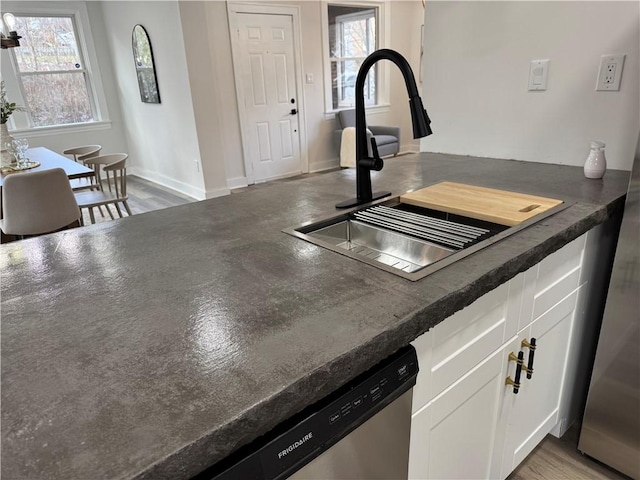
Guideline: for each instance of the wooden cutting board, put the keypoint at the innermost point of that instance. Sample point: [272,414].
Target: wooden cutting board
[497,206]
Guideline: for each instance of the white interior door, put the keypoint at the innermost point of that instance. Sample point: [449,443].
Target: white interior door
[267,80]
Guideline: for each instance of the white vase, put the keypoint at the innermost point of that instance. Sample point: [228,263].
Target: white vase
[596,163]
[5,143]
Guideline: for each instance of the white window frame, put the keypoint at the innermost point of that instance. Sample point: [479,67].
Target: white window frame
[383,33]
[21,121]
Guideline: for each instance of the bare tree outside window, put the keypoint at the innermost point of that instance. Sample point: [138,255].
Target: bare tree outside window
[352,37]
[52,72]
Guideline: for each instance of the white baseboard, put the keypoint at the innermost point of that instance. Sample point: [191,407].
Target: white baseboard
[409,149]
[237,182]
[171,183]
[324,165]
[218,192]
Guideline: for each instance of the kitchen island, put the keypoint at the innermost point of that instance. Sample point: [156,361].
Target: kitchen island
[156,345]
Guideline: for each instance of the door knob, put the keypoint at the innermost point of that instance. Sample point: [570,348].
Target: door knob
[293,111]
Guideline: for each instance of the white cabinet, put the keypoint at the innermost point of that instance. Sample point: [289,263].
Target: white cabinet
[452,437]
[533,412]
[467,422]
[454,347]
[463,363]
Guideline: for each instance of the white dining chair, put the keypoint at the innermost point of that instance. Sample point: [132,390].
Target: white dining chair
[35,203]
[114,190]
[80,155]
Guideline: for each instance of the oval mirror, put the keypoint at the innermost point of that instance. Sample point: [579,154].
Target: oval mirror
[145,69]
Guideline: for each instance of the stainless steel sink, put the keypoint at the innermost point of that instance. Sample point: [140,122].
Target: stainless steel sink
[409,241]
[384,246]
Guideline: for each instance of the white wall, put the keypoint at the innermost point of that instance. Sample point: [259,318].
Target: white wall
[205,23]
[322,154]
[407,19]
[206,95]
[319,126]
[191,141]
[477,57]
[162,138]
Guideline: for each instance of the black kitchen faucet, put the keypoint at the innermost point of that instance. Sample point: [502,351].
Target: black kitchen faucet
[419,118]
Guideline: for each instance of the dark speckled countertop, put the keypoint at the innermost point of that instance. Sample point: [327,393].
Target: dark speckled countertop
[154,346]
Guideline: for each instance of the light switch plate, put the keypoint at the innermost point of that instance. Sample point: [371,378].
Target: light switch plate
[610,72]
[538,75]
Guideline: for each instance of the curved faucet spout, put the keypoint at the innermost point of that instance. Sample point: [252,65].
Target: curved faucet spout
[419,118]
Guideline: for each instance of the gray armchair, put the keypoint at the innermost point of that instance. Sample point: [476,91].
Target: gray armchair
[387,138]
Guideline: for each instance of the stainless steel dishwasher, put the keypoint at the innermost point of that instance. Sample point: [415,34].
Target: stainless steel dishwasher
[359,432]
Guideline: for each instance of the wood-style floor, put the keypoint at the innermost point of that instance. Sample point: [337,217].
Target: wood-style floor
[553,459]
[559,459]
[144,196]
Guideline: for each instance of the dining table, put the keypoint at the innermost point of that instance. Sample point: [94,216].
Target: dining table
[49,159]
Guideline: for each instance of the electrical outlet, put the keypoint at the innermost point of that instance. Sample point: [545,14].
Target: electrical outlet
[610,72]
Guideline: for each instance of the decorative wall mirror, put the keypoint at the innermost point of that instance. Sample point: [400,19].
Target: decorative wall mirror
[145,68]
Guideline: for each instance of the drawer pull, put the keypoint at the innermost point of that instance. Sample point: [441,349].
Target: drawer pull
[519,364]
[532,350]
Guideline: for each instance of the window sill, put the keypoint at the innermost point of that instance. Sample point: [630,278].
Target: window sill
[61,129]
[382,108]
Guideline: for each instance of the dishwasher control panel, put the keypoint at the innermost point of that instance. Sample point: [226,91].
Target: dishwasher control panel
[296,442]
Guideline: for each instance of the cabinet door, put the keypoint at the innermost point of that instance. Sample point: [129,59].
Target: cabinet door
[548,282]
[533,412]
[453,436]
[454,347]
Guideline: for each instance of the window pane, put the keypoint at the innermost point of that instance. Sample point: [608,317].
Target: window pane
[358,36]
[344,89]
[57,99]
[347,80]
[47,44]
[352,37]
